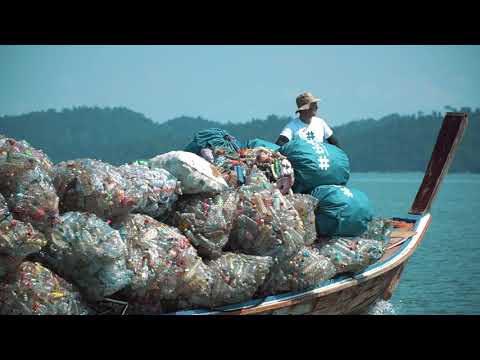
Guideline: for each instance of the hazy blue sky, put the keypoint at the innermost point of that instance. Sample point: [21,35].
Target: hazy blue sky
[238,83]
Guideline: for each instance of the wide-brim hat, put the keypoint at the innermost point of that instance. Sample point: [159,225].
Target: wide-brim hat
[305,100]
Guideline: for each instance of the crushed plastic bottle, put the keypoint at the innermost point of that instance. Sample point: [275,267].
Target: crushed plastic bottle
[238,277]
[87,251]
[304,270]
[352,254]
[206,220]
[92,186]
[154,191]
[35,290]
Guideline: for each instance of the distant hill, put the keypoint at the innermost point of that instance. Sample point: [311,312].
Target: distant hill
[119,135]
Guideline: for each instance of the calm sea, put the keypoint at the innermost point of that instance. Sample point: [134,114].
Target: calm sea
[443,275]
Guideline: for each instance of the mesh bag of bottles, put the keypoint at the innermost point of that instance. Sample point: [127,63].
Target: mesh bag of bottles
[17,158]
[236,168]
[237,277]
[378,229]
[87,251]
[352,254]
[196,174]
[17,240]
[305,206]
[153,190]
[35,290]
[206,220]
[92,186]
[267,224]
[300,272]
[165,266]
[35,200]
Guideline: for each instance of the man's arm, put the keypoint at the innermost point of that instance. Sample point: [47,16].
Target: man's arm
[332,140]
[282,140]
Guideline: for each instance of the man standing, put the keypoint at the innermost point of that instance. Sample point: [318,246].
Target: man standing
[307,126]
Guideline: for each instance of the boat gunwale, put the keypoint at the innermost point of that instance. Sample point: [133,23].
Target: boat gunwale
[327,287]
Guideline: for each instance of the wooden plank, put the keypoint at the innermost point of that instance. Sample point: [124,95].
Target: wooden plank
[387,294]
[448,138]
[402,234]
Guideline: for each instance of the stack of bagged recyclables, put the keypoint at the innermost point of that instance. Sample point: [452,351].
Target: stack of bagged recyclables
[204,228]
[323,170]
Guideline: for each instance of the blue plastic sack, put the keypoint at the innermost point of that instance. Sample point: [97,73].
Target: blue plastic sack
[316,164]
[250,144]
[213,138]
[341,211]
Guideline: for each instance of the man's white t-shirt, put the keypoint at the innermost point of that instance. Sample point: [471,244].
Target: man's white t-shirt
[316,131]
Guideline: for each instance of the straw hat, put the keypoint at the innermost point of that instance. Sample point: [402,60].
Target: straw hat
[304,100]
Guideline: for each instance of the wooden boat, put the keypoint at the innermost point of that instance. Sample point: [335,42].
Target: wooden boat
[356,293]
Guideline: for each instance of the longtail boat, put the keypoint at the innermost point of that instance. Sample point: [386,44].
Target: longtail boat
[354,294]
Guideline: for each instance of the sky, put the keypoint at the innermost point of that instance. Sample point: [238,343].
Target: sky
[239,83]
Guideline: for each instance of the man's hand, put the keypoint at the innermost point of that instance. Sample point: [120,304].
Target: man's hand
[333,141]
[282,140]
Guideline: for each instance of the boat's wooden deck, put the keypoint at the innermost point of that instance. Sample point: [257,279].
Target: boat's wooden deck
[402,232]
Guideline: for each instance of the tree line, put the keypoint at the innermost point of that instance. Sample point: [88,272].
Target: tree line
[119,135]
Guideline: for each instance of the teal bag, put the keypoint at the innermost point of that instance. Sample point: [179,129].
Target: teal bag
[316,164]
[341,211]
[213,138]
[261,143]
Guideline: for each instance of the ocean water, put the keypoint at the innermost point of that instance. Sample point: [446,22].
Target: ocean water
[443,275]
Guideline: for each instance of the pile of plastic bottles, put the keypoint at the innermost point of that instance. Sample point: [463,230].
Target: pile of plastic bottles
[236,167]
[178,231]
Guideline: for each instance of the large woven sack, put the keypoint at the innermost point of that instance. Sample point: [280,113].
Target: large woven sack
[341,211]
[213,138]
[316,164]
[196,174]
